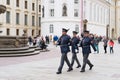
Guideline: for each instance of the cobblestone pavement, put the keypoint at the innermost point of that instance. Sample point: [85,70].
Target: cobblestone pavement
[44,67]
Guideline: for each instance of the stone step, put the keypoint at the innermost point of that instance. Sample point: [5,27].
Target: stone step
[20,55]
[35,47]
[17,52]
[14,49]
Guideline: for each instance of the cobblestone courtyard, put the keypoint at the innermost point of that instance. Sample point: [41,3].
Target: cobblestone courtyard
[44,66]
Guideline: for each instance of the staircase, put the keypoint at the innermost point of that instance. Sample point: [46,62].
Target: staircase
[15,52]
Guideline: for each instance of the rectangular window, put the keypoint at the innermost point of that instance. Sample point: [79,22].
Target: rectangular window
[8,32]
[17,3]
[51,28]
[51,1]
[17,32]
[33,32]
[7,17]
[26,19]
[76,1]
[33,6]
[25,4]
[76,12]
[17,18]
[39,21]
[39,8]
[8,2]
[77,28]
[33,20]
[51,12]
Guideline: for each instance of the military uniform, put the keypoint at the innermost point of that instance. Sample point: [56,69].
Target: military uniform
[64,42]
[85,44]
[74,46]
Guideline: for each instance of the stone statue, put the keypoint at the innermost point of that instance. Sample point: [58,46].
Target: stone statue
[64,11]
[25,33]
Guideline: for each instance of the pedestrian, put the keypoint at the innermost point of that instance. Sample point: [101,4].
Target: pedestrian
[119,39]
[96,43]
[47,39]
[64,42]
[75,49]
[91,36]
[86,50]
[105,40]
[42,44]
[34,41]
[111,44]
[30,40]
[55,38]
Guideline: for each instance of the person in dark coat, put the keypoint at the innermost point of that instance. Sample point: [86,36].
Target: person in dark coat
[75,49]
[85,44]
[30,40]
[105,41]
[64,42]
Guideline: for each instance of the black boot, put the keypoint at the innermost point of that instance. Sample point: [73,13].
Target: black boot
[78,66]
[70,69]
[82,70]
[91,67]
[59,72]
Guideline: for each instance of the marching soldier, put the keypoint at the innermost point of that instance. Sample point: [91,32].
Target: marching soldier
[85,44]
[64,42]
[75,49]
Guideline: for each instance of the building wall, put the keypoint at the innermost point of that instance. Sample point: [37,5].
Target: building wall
[58,20]
[118,17]
[22,11]
[97,12]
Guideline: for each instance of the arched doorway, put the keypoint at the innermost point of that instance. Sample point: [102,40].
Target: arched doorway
[85,24]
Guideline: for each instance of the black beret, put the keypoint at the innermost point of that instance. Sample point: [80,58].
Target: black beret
[65,30]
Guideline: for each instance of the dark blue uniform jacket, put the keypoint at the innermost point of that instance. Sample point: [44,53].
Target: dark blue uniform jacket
[74,44]
[64,42]
[85,44]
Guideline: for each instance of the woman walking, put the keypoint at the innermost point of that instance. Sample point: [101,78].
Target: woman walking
[111,44]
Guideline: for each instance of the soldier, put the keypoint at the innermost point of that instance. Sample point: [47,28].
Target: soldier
[74,45]
[85,44]
[64,42]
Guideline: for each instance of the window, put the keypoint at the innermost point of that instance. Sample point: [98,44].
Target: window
[17,32]
[39,21]
[8,32]
[33,20]
[51,1]
[33,6]
[17,18]
[33,32]
[7,17]
[39,8]
[77,28]
[25,4]
[17,3]
[76,12]
[8,2]
[64,11]
[26,19]
[39,32]
[76,1]
[51,28]
[51,12]
[43,11]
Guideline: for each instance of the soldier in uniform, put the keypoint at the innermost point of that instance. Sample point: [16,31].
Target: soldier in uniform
[64,42]
[85,44]
[74,45]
